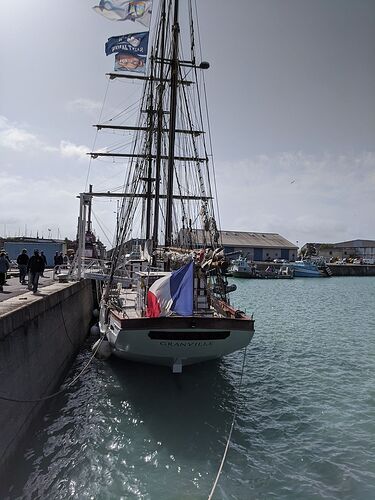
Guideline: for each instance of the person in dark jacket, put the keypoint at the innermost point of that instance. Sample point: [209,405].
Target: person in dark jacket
[4,266]
[56,261]
[44,260]
[9,262]
[35,268]
[22,261]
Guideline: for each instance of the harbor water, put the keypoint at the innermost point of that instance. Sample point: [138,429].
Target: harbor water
[305,421]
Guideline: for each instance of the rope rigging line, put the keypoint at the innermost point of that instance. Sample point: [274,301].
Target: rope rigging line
[96,135]
[230,432]
[54,394]
[208,121]
[101,227]
[132,108]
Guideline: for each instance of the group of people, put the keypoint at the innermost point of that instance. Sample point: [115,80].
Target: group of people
[60,260]
[33,267]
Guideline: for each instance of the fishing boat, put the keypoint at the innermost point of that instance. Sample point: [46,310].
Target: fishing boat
[240,268]
[310,269]
[170,305]
[283,272]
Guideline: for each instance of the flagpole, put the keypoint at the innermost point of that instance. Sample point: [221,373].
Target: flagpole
[161,87]
[172,125]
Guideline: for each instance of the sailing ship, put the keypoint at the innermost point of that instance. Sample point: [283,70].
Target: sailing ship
[168,303]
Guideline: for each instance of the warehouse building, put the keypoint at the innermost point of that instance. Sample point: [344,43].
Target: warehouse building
[253,246]
[364,249]
[14,246]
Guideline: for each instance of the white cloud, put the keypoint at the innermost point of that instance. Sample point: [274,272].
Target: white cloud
[38,204]
[87,105]
[19,139]
[305,198]
[16,139]
[70,150]
[48,202]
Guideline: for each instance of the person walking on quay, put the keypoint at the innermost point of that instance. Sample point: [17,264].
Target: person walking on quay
[22,261]
[56,261]
[9,262]
[45,262]
[4,266]
[35,268]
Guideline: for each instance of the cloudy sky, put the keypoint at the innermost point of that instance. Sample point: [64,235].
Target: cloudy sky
[291,93]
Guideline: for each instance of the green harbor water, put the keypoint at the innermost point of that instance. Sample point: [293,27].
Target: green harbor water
[305,427]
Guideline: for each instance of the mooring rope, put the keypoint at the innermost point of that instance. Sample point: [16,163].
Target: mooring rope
[230,432]
[65,328]
[15,400]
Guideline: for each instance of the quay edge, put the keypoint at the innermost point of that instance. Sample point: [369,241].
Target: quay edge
[39,337]
[351,270]
[336,269]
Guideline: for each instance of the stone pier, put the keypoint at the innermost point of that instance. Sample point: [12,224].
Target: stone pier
[39,336]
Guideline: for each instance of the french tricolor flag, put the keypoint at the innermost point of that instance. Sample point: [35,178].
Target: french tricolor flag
[172,293]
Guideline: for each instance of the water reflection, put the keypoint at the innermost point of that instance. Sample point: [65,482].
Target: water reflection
[305,416]
[187,413]
[125,425]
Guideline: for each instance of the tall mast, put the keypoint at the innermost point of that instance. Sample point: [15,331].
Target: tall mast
[149,160]
[159,129]
[172,126]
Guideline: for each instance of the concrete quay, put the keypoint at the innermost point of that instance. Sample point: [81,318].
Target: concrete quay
[39,336]
[352,270]
[13,287]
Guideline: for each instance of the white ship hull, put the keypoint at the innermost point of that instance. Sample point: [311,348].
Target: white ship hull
[176,341]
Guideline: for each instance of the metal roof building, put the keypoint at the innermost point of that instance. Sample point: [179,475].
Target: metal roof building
[14,246]
[254,246]
[353,248]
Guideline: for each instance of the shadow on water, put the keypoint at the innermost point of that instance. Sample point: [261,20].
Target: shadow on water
[187,412]
[127,421]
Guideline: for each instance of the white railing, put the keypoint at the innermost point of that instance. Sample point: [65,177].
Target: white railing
[87,267]
[61,269]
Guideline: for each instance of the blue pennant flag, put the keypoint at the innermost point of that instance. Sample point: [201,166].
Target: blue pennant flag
[134,43]
[123,10]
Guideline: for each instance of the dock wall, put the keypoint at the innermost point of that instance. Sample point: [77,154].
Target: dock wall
[336,269]
[39,336]
[351,270]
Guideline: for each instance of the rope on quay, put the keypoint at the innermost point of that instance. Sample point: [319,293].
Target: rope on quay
[230,432]
[53,395]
